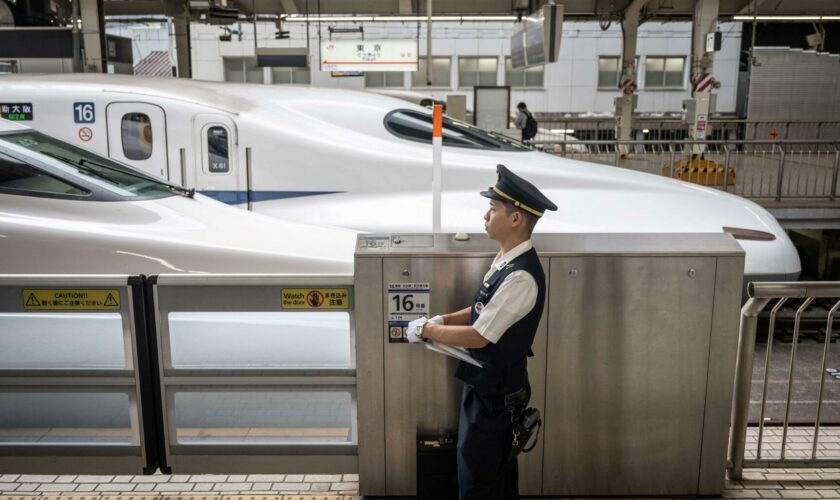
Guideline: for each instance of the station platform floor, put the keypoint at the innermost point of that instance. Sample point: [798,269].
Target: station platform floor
[810,483]
[756,484]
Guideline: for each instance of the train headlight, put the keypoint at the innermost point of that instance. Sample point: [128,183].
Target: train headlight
[749,234]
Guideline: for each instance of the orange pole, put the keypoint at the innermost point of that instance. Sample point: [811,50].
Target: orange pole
[437,121]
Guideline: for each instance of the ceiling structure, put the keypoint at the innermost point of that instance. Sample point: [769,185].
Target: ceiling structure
[603,10]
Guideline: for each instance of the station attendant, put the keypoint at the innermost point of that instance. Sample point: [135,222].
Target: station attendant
[498,329]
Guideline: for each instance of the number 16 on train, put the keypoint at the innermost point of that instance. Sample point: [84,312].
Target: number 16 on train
[84,112]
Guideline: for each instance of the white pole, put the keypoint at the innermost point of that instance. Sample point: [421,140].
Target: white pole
[437,150]
[428,42]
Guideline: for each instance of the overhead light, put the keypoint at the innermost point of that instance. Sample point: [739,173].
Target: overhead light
[487,18]
[646,131]
[785,18]
[397,18]
[337,19]
[562,131]
[299,18]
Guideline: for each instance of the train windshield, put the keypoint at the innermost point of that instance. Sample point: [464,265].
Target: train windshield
[417,126]
[118,178]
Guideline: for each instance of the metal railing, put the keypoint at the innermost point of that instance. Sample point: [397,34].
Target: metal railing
[674,128]
[761,294]
[752,169]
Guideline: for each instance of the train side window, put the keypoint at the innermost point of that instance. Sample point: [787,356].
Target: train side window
[19,178]
[218,158]
[416,126]
[137,138]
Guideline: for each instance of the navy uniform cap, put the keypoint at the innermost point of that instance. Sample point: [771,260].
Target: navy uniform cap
[518,192]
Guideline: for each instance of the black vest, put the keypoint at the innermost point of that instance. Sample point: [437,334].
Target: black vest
[504,364]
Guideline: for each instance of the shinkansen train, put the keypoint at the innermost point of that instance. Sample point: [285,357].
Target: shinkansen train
[363,161]
[66,210]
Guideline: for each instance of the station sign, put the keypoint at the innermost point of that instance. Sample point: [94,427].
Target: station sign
[700,130]
[406,302]
[382,55]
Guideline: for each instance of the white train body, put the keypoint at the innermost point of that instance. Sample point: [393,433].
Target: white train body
[108,231]
[325,156]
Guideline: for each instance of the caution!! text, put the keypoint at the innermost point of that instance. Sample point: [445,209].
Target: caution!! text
[73,300]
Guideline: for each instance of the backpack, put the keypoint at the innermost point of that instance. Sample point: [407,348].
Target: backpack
[530,126]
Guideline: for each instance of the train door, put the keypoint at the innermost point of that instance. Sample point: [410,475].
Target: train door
[217,171]
[137,136]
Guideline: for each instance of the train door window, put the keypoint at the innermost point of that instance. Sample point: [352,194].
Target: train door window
[218,150]
[137,136]
[19,178]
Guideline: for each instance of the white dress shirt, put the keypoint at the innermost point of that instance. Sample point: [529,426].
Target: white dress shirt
[514,298]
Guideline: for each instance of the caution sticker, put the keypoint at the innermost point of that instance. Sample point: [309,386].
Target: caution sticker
[71,300]
[315,298]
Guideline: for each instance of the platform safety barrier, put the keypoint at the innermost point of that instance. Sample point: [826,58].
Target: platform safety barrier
[182,373]
[80,406]
[258,373]
[239,391]
[805,295]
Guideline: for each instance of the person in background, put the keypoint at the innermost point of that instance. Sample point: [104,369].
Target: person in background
[525,121]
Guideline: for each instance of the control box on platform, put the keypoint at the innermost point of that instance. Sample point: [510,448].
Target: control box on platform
[633,369]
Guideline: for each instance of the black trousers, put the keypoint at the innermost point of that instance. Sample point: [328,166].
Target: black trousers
[484,435]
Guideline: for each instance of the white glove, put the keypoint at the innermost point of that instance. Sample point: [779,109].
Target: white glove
[414,329]
[437,320]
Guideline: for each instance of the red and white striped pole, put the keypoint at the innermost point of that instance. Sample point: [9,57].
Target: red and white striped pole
[627,86]
[437,173]
[703,83]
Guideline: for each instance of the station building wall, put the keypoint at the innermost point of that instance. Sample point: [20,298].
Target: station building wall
[570,85]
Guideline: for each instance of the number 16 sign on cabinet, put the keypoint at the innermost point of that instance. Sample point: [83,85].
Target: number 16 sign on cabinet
[406,302]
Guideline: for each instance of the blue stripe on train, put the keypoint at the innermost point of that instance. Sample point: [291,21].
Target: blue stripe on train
[241,197]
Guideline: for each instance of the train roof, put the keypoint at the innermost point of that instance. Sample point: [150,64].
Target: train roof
[226,96]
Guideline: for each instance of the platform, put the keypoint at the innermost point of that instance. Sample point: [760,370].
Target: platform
[757,484]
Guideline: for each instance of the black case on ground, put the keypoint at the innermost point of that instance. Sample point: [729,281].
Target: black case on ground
[437,467]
